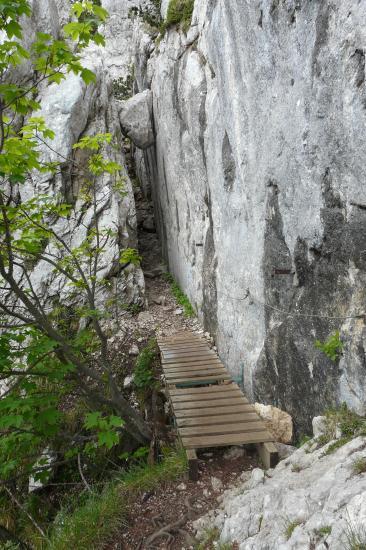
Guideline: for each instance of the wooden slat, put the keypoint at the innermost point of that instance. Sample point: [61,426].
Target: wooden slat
[191,367]
[203,380]
[207,396]
[194,352]
[189,338]
[192,363]
[207,389]
[190,406]
[195,373]
[215,420]
[218,410]
[221,429]
[189,359]
[192,345]
[224,440]
[188,353]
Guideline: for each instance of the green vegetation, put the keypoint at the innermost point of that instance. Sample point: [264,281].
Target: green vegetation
[123,86]
[355,537]
[359,466]
[348,425]
[324,531]
[180,296]
[92,523]
[179,13]
[303,439]
[290,528]
[54,357]
[332,347]
[210,541]
[143,374]
[151,15]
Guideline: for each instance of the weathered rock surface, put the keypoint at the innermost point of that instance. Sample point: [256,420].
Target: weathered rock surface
[278,422]
[309,501]
[73,110]
[258,182]
[136,119]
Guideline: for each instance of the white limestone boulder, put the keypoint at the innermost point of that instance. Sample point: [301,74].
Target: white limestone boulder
[278,422]
[136,119]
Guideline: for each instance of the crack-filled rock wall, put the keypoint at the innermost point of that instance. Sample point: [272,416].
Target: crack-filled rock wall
[73,110]
[258,177]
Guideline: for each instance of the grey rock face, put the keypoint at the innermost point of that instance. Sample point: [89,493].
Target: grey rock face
[73,110]
[136,119]
[258,181]
[308,500]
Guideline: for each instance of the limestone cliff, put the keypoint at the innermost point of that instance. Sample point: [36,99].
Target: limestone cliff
[258,178]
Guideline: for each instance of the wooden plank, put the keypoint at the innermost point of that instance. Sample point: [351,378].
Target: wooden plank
[217,420]
[188,338]
[188,366]
[192,351]
[192,464]
[192,367]
[193,345]
[269,454]
[221,429]
[205,441]
[192,363]
[188,353]
[218,410]
[189,359]
[215,396]
[207,389]
[194,373]
[189,405]
[202,380]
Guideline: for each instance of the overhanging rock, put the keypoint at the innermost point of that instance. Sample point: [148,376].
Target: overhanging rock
[136,119]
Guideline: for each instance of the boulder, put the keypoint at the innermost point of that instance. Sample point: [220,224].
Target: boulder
[136,119]
[278,422]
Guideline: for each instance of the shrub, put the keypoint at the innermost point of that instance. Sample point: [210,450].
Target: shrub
[359,465]
[123,86]
[348,423]
[143,372]
[179,13]
[332,347]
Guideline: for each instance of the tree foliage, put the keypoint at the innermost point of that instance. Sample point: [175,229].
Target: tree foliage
[50,348]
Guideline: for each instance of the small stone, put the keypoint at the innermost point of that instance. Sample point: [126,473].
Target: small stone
[127,381]
[234,452]
[178,311]
[206,493]
[182,487]
[134,350]
[208,455]
[216,484]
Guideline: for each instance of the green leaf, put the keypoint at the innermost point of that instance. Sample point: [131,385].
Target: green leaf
[88,76]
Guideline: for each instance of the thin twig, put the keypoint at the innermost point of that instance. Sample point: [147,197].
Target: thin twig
[14,499]
[82,475]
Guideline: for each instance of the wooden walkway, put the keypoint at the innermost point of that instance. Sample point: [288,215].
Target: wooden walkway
[210,410]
